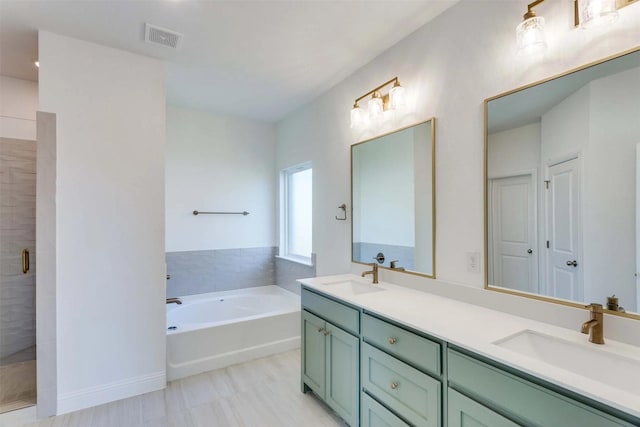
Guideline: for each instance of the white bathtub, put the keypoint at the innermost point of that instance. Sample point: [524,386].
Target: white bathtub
[219,329]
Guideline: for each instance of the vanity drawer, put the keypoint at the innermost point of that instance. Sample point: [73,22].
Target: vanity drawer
[339,314]
[412,394]
[520,399]
[412,348]
[376,415]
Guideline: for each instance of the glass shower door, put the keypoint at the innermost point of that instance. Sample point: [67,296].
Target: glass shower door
[17,274]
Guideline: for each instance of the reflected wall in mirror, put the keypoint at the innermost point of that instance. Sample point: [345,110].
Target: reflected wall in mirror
[563,186]
[393,199]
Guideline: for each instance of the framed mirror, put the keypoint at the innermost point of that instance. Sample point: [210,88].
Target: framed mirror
[562,187]
[393,200]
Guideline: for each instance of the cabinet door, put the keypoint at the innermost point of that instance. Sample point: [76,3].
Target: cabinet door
[464,412]
[376,415]
[313,352]
[342,376]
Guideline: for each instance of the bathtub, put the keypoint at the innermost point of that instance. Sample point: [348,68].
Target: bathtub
[218,329]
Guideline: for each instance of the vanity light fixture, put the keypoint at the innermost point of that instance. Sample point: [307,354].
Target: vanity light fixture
[594,13]
[377,105]
[530,33]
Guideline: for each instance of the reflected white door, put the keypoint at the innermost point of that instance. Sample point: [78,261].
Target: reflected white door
[513,227]
[564,265]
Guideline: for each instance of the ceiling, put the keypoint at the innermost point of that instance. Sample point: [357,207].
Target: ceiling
[255,59]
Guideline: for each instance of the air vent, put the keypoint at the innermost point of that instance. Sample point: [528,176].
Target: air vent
[162,36]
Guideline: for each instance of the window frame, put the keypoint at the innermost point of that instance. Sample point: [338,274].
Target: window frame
[284,251]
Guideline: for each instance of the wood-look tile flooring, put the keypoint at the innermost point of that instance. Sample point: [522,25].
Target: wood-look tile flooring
[260,393]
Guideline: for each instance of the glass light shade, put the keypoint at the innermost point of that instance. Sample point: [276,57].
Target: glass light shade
[375,109]
[530,36]
[593,13]
[357,117]
[396,98]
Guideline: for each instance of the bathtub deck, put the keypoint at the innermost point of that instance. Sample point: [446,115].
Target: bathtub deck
[263,392]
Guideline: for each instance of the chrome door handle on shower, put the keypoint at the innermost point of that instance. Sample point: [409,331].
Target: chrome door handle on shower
[25,260]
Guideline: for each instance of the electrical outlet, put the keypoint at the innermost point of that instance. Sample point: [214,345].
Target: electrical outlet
[473,262]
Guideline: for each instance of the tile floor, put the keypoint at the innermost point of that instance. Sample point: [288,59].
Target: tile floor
[18,389]
[261,393]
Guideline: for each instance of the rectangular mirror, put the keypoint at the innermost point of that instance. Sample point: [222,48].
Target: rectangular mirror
[562,194]
[393,200]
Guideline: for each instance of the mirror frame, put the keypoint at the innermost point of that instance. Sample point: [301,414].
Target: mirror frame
[487,286]
[432,120]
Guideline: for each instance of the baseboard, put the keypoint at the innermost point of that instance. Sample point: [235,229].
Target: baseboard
[218,361]
[97,395]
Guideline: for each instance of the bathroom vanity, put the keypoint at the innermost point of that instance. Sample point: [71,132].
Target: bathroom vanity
[385,355]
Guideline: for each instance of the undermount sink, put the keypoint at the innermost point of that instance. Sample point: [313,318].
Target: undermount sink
[584,359]
[353,287]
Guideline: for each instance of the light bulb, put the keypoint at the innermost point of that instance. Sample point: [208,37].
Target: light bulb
[396,97]
[593,13]
[530,36]
[375,108]
[356,116]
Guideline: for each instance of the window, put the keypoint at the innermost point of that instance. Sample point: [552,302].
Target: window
[295,213]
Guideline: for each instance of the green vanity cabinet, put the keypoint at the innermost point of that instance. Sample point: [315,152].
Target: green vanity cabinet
[331,355]
[464,412]
[376,415]
[378,372]
[402,371]
[517,398]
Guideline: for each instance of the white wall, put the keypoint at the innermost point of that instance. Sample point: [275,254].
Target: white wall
[449,66]
[18,106]
[219,163]
[513,151]
[610,184]
[110,270]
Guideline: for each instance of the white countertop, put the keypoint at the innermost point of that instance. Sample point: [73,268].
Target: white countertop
[476,328]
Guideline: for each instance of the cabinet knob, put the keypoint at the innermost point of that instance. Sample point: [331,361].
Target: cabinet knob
[326,332]
[392,340]
[394,386]
[321,329]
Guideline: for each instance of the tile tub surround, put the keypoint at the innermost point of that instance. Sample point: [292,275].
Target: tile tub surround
[476,328]
[198,272]
[366,252]
[288,272]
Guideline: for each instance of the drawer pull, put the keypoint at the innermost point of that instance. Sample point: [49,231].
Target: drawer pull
[393,340]
[321,329]
[394,386]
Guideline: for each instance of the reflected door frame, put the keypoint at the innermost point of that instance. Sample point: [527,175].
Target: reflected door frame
[534,268]
[548,263]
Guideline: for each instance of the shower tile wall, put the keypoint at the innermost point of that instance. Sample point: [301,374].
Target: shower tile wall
[367,252]
[197,272]
[17,231]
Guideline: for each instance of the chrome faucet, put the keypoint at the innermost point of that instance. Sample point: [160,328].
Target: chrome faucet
[174,301]
[594,326]
[392,265]
[374,271]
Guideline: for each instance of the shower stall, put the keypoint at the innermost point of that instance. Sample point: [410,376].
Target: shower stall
[17,274]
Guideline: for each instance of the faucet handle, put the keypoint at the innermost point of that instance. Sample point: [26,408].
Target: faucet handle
[392,264]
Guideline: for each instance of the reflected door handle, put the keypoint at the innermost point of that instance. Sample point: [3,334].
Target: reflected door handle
[573,263]
[25,261]
[530,251]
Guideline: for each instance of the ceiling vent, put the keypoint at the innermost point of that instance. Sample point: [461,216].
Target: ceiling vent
[162,36]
